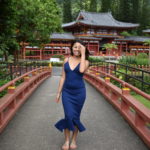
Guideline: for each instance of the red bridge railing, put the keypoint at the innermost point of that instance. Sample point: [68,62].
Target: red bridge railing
[16,96]
[135,113]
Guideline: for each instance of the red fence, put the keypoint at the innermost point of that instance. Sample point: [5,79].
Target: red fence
[16,96]
[136,114]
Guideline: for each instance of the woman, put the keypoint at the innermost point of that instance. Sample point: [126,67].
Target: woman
[73,92]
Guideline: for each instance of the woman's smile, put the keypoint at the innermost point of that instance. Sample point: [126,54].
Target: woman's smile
[76,52]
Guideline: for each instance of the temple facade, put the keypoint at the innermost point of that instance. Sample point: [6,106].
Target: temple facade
[95,29]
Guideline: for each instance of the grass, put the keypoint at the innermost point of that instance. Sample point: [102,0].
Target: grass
[141,99]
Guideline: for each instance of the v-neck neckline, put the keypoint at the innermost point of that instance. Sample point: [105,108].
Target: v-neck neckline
[70,67]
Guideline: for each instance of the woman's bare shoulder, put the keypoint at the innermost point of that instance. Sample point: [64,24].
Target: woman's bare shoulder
[66,59]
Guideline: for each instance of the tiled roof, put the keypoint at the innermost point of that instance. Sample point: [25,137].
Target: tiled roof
[63,36]
[106,36]
[146,31]
[89,38]
[69,36]
[99,19]
[134,38]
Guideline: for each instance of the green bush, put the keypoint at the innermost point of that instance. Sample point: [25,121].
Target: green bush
[2,82]
[95,59]
[56,63]
[141,59]
[142,55]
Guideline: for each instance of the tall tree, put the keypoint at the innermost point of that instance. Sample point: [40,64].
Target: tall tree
[135,11]
[145,14]
[93,6]
[7,27]
[106,5]
[125,10]
[115,8]
[67,11]
[27,21]
[37,20]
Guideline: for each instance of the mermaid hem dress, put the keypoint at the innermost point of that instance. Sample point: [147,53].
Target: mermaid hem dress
[73,98]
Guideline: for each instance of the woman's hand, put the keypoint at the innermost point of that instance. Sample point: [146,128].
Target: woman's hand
[82,49]
[57,100]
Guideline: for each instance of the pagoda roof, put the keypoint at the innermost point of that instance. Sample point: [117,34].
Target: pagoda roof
[64,36]
[70,36]
[134,38]
[146,31]
[107,36]
[99,20]
[89,38]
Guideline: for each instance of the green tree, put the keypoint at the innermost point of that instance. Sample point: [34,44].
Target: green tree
[106,5]
[28,22]
[115,8]
[37,20]
[135,11]
[67,11]
[144,15]
[93,6]
[125,10]
[8,43]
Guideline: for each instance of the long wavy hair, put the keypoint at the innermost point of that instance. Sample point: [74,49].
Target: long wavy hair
[87,53]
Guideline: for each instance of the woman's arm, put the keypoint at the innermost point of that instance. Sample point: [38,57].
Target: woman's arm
[61,82]
[84,64]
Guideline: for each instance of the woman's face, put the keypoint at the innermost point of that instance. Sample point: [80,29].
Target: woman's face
[76,49]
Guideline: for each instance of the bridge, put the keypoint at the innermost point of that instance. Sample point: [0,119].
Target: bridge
[28,114]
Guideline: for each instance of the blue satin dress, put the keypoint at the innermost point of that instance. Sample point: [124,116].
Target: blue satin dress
[73,98]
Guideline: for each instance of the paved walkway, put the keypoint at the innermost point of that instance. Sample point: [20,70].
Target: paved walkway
[32,128]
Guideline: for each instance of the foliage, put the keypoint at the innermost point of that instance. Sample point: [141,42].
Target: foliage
[125,33]
[147,42]
[7,27]
[133,60]
[2,82]
[37,20]
[95,59]
[110,46]
[93,6]
[67,11]
[142,56]
[27,21]
[141,99]
[56,63]
[106,5]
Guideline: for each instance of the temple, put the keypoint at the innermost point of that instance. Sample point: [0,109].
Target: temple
[95,29]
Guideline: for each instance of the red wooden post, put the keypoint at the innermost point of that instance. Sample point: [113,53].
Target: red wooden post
[1,118]
[125,90]
[107,79]
[11,89]
[26,78]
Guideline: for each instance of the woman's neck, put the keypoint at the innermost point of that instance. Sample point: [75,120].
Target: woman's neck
[76,57]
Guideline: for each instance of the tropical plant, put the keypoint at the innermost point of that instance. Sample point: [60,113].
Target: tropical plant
[125,33]
[109,47]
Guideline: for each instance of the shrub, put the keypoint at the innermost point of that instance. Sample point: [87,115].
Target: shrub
[142,55]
